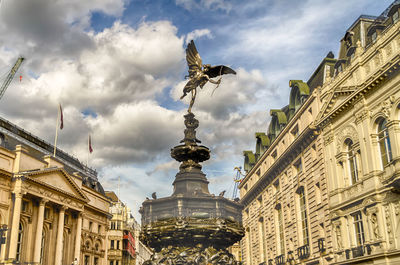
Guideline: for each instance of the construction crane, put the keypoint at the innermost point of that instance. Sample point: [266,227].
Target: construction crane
[237,180]
[10,76]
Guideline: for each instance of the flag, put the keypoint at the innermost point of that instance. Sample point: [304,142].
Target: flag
[90,144]
[61,119]
[20,78]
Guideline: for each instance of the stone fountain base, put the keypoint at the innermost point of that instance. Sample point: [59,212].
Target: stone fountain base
[191,226]
[192,256]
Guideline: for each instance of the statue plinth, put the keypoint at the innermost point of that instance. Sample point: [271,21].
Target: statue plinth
[191,226]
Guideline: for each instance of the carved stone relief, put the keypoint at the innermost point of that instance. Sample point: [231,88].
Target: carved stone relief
[367,68]
[385,107]
[339,239]
[388,224]
[375,226]
[389,49]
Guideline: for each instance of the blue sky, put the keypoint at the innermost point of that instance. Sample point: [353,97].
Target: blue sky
[118,67]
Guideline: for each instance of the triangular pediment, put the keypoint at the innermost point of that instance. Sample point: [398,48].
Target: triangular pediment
[57,179]
[334,100]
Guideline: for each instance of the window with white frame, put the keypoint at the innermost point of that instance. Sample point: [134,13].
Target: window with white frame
[352,161]
[42,246]
[261,227]
[19,242]
[281,236]
[384,142]
[303,215]
[359,229]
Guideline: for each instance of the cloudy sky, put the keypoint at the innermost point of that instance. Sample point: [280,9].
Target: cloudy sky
[118,67]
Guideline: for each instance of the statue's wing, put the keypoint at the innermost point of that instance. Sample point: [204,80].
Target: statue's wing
[219,70]
[193,57]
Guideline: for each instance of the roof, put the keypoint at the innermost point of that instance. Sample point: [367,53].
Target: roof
[367,17]
[112,196]
[43,147]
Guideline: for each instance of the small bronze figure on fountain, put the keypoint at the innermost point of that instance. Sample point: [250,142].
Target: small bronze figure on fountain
[200,74]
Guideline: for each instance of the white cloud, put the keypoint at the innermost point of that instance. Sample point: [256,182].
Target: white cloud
[198,33]
[205,4]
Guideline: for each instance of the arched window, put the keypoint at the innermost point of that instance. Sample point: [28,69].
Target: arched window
[19,242]
[352,161]
[384,142]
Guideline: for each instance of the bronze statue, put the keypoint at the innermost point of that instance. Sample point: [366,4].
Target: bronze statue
[200,74]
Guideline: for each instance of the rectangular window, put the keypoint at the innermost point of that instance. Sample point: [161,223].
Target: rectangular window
[303,213]
[90,226]
[112,244]
[117,244]
[359,229]
[19,242]
[86,260]
[352,158]
[99,229]
[277,186]
[385,146]
[96,261]
[262,239]
[298,166]
[280,231]
[111,262]
[25,205]
[295,131]
[274,155]
[117,262]
[46,213]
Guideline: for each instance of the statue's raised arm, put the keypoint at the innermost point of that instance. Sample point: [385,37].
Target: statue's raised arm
[200,74]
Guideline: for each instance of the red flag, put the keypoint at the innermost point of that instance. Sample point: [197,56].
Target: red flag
[20,78]
[61,119]
[90,144]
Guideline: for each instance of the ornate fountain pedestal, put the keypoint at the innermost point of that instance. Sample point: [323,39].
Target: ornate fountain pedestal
[191,226]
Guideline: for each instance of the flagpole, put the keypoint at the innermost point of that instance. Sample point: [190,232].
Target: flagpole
[87,161]
[55,140]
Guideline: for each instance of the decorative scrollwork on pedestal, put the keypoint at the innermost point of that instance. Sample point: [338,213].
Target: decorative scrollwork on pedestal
[191,256]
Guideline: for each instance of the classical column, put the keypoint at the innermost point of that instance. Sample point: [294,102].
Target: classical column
[60,234]
[39,232]
[15,225]
[78,238]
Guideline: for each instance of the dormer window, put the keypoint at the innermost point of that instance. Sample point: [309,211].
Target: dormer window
[395,17]
[373,37]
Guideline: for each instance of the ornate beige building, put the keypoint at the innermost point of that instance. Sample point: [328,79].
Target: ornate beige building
[360,124]
[120,237]
[285,190]
[143,253]
[124,246]
[52,209]
[323,186]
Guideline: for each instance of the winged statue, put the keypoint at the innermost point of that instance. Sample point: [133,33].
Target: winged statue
[200,74]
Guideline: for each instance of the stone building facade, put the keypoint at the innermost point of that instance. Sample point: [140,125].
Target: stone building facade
[285,190]
[360,125]
[341,145]
[143,253]
[120,237]
[124,246]
[52,209]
